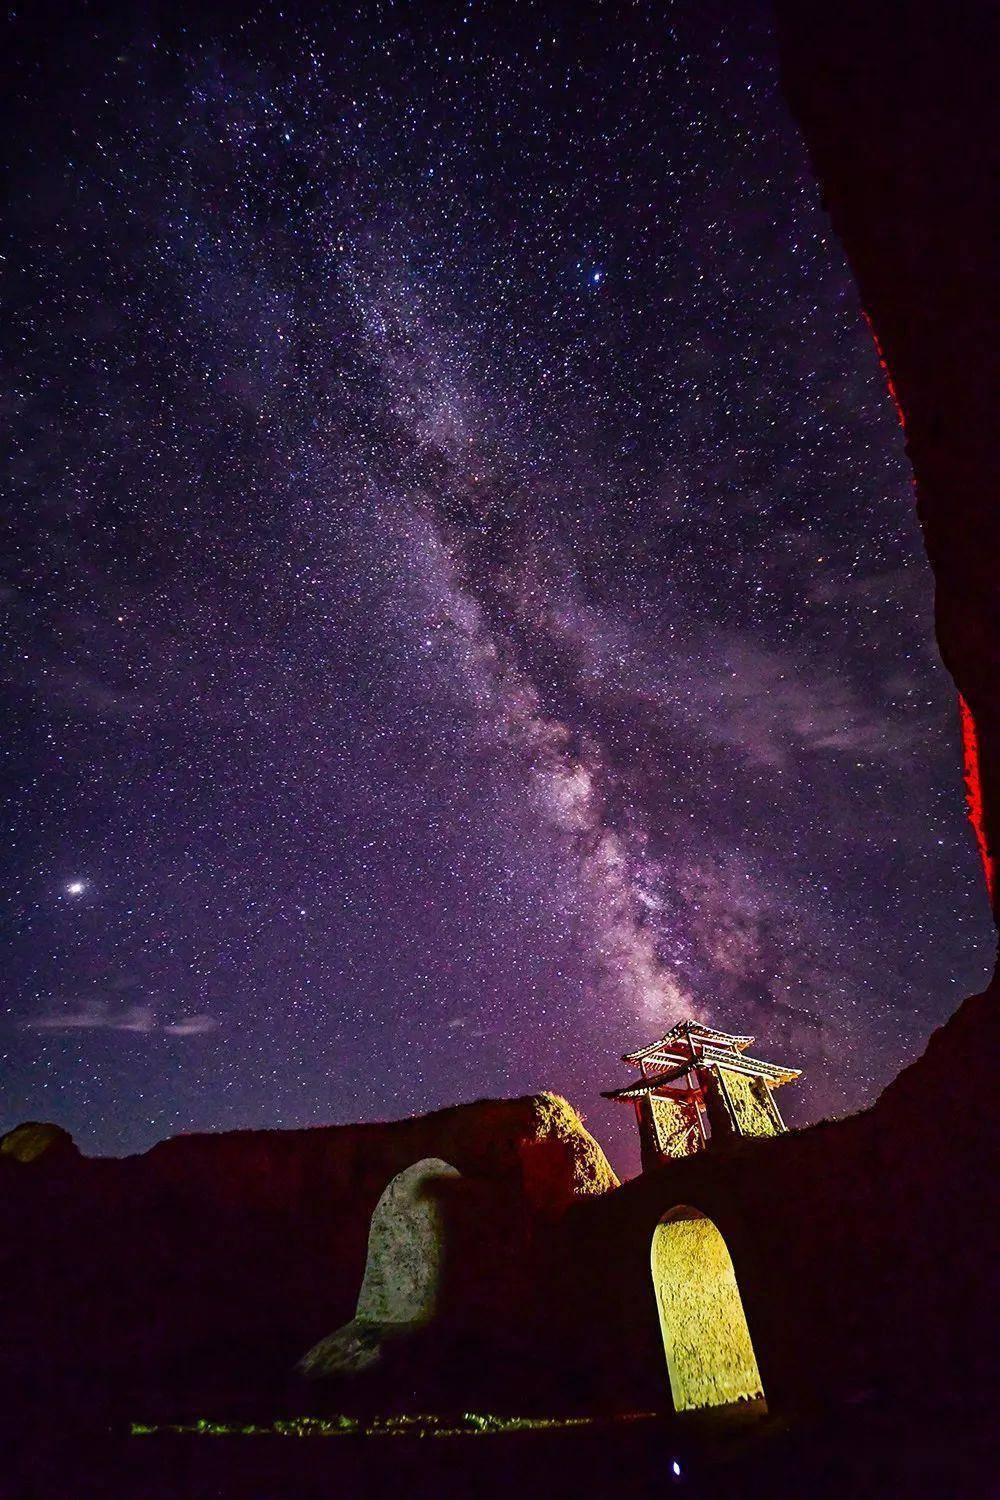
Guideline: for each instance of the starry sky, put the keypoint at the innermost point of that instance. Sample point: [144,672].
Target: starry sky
[465,608]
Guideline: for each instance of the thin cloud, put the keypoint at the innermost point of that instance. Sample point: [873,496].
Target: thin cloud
[98,1015]
[191,1026]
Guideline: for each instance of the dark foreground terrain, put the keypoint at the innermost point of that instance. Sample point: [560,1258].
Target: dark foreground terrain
[859,1453]
[865,1248]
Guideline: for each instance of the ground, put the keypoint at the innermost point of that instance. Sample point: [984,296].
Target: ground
[860,1453]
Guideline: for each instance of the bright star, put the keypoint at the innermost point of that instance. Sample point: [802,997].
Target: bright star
[595,276]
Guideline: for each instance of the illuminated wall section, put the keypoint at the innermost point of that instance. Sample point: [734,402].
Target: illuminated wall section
[751,1104]
[675,1126]
[706,1340]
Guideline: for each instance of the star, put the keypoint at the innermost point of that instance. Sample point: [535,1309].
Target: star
[555,648]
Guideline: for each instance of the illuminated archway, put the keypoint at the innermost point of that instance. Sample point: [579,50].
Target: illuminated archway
[706,1340]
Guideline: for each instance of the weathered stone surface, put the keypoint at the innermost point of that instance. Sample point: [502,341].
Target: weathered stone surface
[747,1103]
[356,1347]
[406,1246]
[707,1343]
[225,1256]
[34,1139]
[401,1288]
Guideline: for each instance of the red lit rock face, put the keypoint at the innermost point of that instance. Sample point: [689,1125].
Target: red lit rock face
[894,101]
[974,794]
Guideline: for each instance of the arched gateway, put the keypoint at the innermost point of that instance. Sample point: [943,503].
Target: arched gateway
[707,1342]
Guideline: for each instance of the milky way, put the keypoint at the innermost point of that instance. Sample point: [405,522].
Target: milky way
[466,604]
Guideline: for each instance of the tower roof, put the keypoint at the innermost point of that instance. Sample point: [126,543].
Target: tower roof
[692,1044]
[693,1032]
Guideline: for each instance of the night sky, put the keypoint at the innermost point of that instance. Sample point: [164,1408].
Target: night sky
[466,608]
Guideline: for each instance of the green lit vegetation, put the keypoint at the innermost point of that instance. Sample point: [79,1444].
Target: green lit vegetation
[467,1424]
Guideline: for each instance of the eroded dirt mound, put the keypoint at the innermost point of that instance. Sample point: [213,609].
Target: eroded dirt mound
[212,1262]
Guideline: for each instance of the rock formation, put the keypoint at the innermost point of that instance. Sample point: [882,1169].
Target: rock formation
[404,1273]
[36,1138]
[200,1272]
[863,1248]
[896,102]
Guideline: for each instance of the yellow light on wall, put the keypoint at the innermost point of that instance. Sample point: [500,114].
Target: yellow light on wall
[709,1352]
